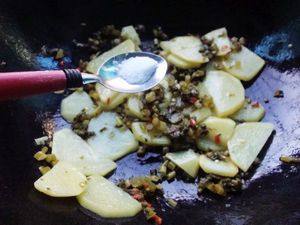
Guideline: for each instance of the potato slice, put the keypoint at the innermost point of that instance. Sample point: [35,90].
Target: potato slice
[149,138]
[118,100]
[250,112]
[110,99]
[106,95]
[180,63]
[219,126]
[186,160]
[205,144]
[135,107]
[186,48]
[220,38]
[244,64]
[72,105]
[203,92]
[124,47]
[69,147]
[222,168]
[129,32]
[63,180]
[247,141]
[110,141]
[201,114]
[227,92]
[107,200]
[166,46]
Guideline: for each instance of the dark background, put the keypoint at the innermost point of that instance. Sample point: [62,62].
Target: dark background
[272,194]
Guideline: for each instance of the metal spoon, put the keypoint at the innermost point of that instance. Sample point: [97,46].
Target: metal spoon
[20,84]
[109,77]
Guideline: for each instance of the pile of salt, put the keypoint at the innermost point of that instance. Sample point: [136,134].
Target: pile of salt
[137,70]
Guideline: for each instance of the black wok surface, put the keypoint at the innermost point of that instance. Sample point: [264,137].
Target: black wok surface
[272,194]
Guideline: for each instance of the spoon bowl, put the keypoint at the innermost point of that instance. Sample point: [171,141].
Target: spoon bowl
[109,75]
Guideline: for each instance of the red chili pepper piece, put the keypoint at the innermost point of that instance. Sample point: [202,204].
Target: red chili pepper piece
[255,104]
[193,123]
[145,185]
[218,139]
[157,219]
[137,196]
[193,100]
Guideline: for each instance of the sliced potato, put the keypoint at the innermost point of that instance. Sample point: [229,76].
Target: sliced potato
[203,92]
[244,64]
[135,107]
[101,166]
[227,92]
[110,141]
[180,63]
[72,105]
[201,114]
[110,99]
[222,168]
[63,180]
[206,144]
[219,126]
[220,38]
[166,46]
[107,200]
[186,48]
[186,160]
[124,47]
[149,138]
[129,32]
[247,141]
[118,100]
[250,112]
[69,147]
[106,95]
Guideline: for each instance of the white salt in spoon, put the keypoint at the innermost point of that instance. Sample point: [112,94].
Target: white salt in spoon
[132,72]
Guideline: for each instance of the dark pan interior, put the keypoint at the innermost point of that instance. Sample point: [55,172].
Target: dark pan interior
[272,194]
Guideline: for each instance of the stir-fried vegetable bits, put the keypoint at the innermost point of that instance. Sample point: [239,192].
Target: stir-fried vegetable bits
[197,119]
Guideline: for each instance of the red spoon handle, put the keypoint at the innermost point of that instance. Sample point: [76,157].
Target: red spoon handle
[21,84]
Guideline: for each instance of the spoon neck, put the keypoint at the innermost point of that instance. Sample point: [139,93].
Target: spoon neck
[89,78]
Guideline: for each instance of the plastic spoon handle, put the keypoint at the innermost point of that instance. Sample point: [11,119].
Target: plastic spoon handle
[21,84]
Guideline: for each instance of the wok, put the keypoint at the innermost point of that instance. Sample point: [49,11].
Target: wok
[271,195]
